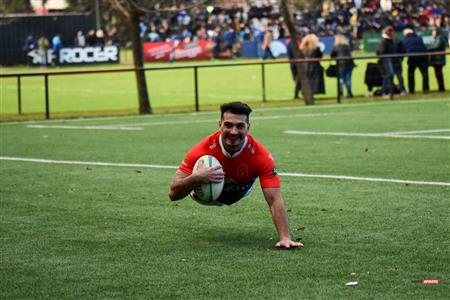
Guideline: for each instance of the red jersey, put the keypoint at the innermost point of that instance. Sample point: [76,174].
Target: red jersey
[241,169]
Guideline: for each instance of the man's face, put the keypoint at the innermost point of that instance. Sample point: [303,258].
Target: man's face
[234,129]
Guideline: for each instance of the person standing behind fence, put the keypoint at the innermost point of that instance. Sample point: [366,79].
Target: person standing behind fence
[91,39]
[387,47]
[342,49]
[43,46]
[438,61]
[29,45]
[309,48]
[397,65]
[57,45]
[80,39]
[265,46]
[414,44]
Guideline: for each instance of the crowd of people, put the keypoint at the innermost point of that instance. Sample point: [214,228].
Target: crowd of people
[411,44]
[346,20]
[230,27]
[43,43]
[391,51]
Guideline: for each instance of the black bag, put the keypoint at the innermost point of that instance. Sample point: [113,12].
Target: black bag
[332,71]
[373,76]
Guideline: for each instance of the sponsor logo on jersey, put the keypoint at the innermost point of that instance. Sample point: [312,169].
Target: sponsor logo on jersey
[274,171]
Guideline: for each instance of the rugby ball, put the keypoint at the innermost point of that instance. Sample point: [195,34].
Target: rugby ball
[207,193]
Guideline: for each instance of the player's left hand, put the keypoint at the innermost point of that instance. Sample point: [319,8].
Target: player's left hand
[287,244]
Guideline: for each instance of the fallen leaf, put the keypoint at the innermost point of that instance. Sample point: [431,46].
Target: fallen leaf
[301,229]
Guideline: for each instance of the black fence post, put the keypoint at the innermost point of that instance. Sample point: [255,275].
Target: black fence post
[196,89]
[47,105]
[263,80]
[19,95]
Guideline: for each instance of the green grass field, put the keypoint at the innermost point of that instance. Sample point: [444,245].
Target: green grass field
[169,90]
[72,228]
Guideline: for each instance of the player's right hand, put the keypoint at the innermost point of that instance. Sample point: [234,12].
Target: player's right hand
[213,174]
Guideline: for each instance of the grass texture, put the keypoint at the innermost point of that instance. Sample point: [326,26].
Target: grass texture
[107,93]
[85,231]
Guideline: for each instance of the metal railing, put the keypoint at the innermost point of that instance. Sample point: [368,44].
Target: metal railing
[195,69]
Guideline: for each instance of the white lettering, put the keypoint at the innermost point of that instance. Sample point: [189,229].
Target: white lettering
[88,55]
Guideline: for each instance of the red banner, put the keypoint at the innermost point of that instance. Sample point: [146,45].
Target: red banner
[169,51]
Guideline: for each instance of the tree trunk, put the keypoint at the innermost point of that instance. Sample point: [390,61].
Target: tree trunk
[308,95]
[144,102]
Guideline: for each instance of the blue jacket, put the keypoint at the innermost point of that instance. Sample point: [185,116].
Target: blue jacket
[414,44]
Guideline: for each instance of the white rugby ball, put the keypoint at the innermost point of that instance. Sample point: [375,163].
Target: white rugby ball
[207,193]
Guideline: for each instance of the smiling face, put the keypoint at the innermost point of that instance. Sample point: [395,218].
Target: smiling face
[233,129]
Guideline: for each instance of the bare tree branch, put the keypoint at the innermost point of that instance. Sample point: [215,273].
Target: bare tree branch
[118,6]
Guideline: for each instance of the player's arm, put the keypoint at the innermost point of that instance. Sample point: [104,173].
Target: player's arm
[280,218]
[183,184]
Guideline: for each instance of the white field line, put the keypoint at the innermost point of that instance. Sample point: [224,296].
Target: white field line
[276,117]
[291,108]
[132,126]
[85,127]
[388,135]
[367,179]
[49,161]
[419,131]
[109,91]
[89,163]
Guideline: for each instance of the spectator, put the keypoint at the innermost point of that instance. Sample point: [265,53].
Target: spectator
[415,44]
[30,44]
[230,40]
[438,61]
[91,40]
[111,37]
[80,39]
[342,49]
[218,42]
[397,63]
[309,48]
[386,47]
[100,37]
[43,47]
[57,45]
[265,46]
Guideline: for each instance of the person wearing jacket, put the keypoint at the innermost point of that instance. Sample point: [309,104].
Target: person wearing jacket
[397,63]
[342,49]
[387,47]
[309,48]
[438,61]
[414,44]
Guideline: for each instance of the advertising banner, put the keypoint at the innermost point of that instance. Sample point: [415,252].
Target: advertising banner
[278,47]
[170,51]
[76,56]
[372,39]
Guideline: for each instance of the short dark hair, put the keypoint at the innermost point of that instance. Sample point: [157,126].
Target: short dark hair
[237,108]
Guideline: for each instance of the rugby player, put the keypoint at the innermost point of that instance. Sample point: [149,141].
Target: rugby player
[243,159]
